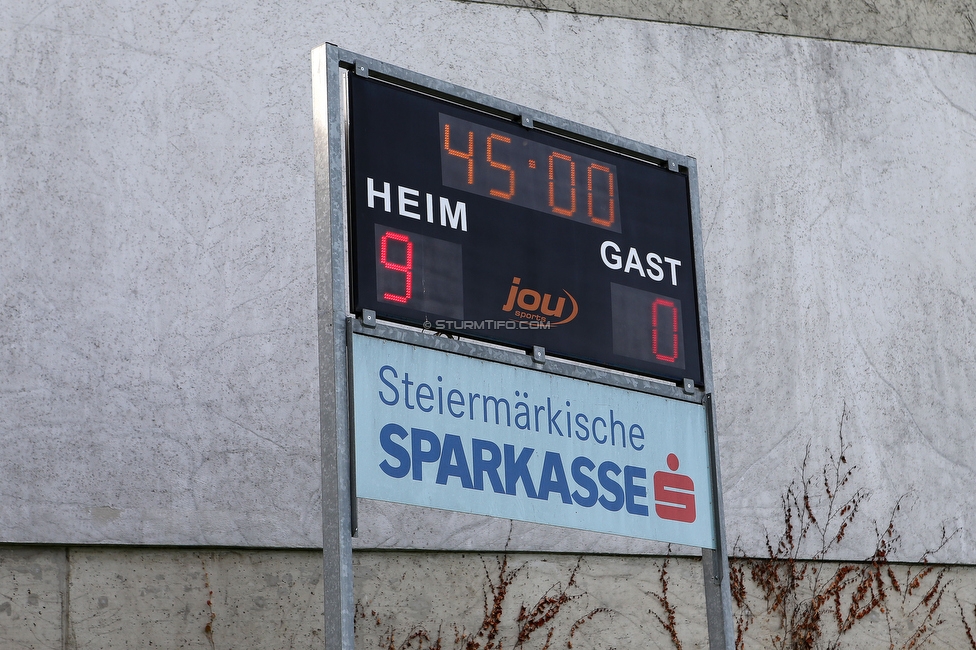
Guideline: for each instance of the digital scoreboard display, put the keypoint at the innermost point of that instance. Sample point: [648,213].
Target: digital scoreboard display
[466,223]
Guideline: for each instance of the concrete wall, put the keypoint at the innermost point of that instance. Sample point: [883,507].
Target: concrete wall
[107,597]
[158,326]
[949,25]
[158,318]
[67,598]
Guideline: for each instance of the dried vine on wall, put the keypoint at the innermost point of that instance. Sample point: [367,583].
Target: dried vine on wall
[807,602]
[533,625]
[812,602]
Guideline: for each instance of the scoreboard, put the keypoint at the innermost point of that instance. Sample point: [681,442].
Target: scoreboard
[476,230]
[468,222]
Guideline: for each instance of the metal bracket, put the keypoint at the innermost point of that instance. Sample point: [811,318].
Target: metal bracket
[369,318]
[538,354]
[526,121]
[689,386]
[673,165]
[362,70]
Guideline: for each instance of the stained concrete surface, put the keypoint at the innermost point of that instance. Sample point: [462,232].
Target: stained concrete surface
[179,598]
[32,593]
[157,324]
[126,597]
[949,25]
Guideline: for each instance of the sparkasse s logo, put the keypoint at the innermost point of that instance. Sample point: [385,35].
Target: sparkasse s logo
[529,304]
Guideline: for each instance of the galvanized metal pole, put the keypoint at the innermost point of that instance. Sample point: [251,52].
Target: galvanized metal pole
[715,563]
[333,413]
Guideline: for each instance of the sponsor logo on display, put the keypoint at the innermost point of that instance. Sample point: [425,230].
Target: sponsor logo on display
[531,305]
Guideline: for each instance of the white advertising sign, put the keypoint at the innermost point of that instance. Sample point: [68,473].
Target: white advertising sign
[447,431]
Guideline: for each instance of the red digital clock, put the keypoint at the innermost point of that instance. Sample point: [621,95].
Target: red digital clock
[511,168]
[469,223]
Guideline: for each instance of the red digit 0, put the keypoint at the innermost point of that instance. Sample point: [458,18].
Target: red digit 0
[406,268]
[497,165]
[589,194]
[468,155]
[655,308]
[572,185]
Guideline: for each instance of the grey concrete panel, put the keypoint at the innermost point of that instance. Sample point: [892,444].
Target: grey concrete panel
[32,582]
[159,311]
[394,599]
[158,326]
[949,26]
[125,598]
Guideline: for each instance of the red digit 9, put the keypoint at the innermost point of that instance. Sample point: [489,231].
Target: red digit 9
[406,268]
[657,322]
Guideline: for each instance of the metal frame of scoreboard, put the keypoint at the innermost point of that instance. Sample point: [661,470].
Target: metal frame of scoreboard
[337,324]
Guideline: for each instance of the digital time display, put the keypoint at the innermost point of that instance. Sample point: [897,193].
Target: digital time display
[511,168]
[467,223]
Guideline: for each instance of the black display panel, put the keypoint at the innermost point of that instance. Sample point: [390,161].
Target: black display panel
[466,223]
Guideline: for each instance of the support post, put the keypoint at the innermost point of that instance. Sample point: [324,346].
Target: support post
[333,409]
[715,563]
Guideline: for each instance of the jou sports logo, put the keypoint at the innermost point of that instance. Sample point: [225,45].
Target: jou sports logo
[529,304]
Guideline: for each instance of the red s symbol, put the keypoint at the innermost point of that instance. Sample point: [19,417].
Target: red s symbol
[674,494]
